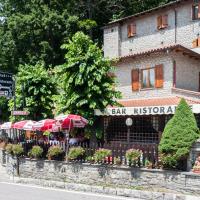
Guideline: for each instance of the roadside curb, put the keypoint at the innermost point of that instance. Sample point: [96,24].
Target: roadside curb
[141,194]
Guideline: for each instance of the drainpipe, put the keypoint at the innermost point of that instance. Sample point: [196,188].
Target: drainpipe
[175,26]
[174,73]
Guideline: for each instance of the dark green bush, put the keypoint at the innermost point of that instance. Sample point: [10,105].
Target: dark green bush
[17,150]
[55,153]
[178,136]
[101,154]
[36,152]
[76,153]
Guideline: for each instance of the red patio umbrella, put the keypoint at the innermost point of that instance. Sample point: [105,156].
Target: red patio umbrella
[6,126]
[24,125]
[46,125]
[69,121]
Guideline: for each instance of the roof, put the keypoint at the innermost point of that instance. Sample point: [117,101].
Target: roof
[172,47]
[155,102]
[148,11]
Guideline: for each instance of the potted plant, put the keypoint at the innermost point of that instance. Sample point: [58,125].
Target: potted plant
[132,156]
[117,161]
[90,159]
[75,153]
[100,155]
[17,150]
[55,153]
[35,152]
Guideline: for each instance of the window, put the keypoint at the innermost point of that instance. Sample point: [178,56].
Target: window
[131,30]
[162,22]
[148,78]
[196,11]
[196,43]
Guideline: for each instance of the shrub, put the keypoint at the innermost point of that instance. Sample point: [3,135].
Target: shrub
[17,149]
[90,159]
[75,153]
[101,154]
[55,153]
[36,152]
[178,136]
[117,161]
[132,155]
[9,148]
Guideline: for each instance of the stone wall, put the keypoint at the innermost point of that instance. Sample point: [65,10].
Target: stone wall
[123,74]
[104,175]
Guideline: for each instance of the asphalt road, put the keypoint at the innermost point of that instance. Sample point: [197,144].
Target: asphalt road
[9,191]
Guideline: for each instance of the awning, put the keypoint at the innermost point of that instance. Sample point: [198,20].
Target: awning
[154,106]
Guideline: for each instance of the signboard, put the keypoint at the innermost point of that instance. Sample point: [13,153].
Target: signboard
[6,84]
[19,113]
[148,110]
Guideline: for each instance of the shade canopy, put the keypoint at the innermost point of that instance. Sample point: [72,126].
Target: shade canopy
[46,125]
[6,126]
[24,125]
[70,121]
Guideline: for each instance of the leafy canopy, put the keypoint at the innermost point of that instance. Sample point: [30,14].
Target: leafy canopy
[35,88]
[179,135]
[84,81]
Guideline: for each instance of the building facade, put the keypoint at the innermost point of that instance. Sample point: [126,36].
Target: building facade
[158,64]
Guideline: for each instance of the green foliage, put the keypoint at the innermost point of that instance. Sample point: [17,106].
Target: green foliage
[178,136]
[84,79]
[35,88]
[54,152]
[101,154]
[17,150]
[90,159]
[9,148]
[133,155]
[4,113]
[36,152]
[75,153]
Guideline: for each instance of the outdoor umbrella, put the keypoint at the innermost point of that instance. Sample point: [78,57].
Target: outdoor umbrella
[24,125]
[46,125]
[6,125]
[71,121]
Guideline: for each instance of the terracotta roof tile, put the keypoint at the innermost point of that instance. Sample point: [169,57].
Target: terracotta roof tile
[177,47]
[155,102]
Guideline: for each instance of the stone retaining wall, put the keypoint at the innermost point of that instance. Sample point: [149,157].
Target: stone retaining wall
[104,175]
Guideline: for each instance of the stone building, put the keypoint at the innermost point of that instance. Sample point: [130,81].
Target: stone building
[158,53]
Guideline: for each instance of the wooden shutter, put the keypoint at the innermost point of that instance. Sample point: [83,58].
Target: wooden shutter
[131,30]
[159,22]
[195,43]
[198,41]
[135,79]
[164,21]
[199,10]
[159,76]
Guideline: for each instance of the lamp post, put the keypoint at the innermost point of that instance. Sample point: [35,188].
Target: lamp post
[129,123]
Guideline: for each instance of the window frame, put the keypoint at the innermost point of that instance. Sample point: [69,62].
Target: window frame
[193,11]
[148,87]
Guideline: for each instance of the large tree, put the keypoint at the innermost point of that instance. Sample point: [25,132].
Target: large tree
[35,88]
[84,78]
[34,30]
